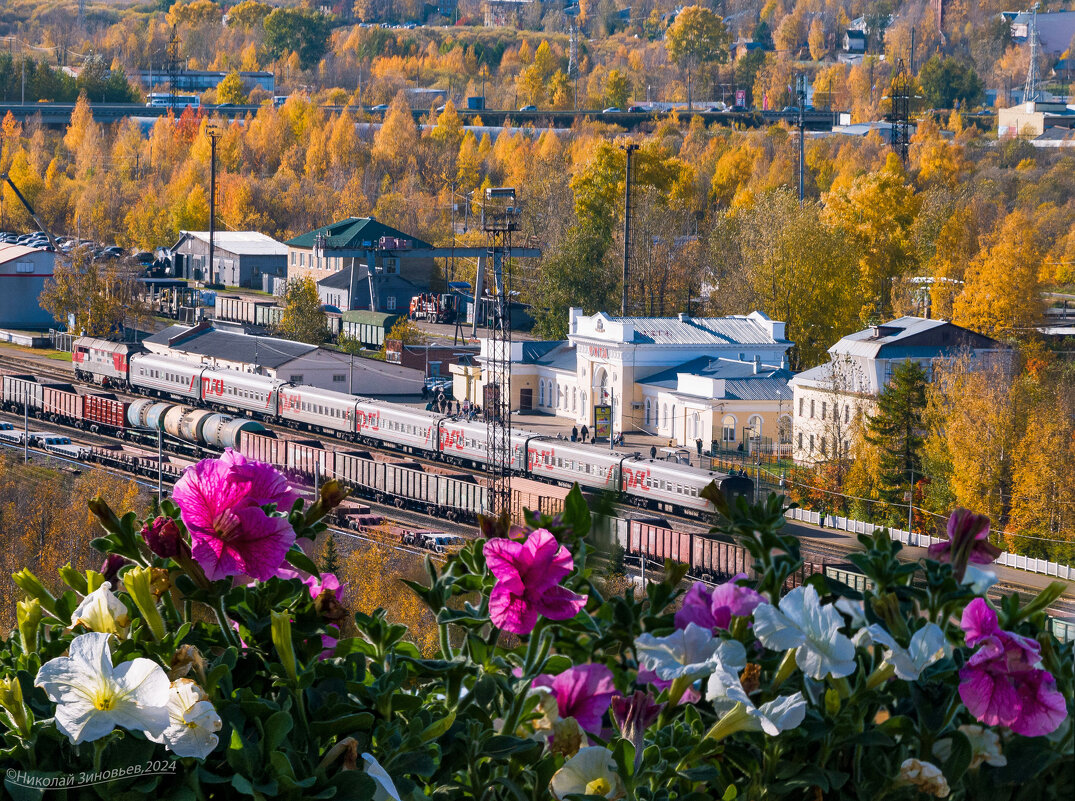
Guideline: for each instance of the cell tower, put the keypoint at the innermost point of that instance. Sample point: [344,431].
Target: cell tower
[500,218]
[1031,90]
[172,66]
[900,116]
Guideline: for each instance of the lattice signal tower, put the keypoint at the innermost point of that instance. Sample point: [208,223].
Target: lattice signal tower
[900,116]
[173,66]
[500,218]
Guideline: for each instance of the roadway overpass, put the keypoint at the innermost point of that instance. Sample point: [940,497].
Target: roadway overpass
[58,115]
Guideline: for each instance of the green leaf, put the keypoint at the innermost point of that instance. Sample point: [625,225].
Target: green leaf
[298,559]
[503,745]
[730,793]
[959,760]
[277,727]
[1043,601]
[359,721]
[435,730]
[242,784]
[576,514]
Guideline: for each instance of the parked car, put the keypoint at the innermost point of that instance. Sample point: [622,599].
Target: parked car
[380,107]
[528,108]
[638,109]
[611,110]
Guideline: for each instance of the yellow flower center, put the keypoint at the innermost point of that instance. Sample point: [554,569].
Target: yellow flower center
[104,701]
[598,787]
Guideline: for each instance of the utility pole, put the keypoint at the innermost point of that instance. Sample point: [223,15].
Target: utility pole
[800,86]
[910,503]
[160,469]
[629,148]
[25,424]
[213,132]
[912,50]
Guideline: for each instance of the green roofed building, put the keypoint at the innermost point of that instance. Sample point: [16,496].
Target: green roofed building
[361,247]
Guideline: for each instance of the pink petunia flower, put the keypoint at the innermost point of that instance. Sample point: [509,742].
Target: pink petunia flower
[327,582]
[583,692]
[528,575]
[714,609]
[221,501]
[1003,683]
[968,542]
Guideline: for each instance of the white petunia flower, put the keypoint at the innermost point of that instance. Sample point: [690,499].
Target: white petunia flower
[592,771]
[92,697]
[385,787]
[928,644]
[691,652]
[782,713]
[926,776]
[102,611]
[984,743]
[979,579]
[193,722]
[801,622]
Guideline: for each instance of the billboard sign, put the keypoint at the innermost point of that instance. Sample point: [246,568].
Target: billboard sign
[602,421]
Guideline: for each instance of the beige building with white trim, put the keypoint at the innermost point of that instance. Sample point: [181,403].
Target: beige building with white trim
[678,377]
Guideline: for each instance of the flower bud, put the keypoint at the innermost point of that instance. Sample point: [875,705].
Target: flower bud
[163,537]
[32,586]
[103,512]
[281,639]
[12,703]
[832,702]
[111,566]
[29,618]
[138,581]
[74,579]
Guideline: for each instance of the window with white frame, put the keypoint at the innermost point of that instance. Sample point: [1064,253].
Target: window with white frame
[727,427]
[784,429]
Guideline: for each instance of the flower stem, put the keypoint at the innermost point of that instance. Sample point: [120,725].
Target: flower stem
[225,623]
[98,752]
[787,667]
[880,675]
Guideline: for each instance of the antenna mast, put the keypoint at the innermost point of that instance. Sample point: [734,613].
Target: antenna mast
[900,95]
[172,67]
[1031,91]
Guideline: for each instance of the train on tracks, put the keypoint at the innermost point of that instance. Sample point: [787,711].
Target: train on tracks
[242,401]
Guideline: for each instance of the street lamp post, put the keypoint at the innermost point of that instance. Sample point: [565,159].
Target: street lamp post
[214,133]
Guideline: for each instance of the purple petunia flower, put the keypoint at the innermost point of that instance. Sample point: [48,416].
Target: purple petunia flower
[968,542]
[583,692]
[528,575]
[715,609]
[221,504]
[326,582]
[633,715]
[1003,683]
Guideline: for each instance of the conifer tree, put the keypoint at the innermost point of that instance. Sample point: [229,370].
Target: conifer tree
[898,432]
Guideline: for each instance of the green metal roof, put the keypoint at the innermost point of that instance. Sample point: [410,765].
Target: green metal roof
[354,233]
[367,317]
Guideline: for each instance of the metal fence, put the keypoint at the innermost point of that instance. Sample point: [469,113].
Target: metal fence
[913,538]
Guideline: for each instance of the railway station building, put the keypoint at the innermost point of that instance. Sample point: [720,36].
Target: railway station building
[831,402]
[682,378]
[240,258]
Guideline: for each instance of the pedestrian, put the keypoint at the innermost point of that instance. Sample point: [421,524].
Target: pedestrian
[698,443]
[574,433]
[457,408]
[653,451]
[585,433]
[821,517]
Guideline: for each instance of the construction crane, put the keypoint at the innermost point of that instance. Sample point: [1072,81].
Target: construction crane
[33,214]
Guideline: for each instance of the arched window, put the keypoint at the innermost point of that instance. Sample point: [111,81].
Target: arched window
[673,413]
[559,397]
[647,411]
[755,423]
[574,399]
[541,392]
[697,425]
[582,400]
[784,429]
[728,428]
[664,416]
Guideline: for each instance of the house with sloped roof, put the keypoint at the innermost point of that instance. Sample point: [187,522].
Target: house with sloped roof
[378,292]
[359,247]
[832,401]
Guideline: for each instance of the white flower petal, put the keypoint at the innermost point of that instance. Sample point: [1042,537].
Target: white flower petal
[82,722]
[192,722]
[782,713]
[102,611]
[386,788]
[685,652]
[588,765]
[775,630]
[853,609]
[732,654]
[979,579]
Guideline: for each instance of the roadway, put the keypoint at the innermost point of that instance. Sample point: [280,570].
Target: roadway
[58,115]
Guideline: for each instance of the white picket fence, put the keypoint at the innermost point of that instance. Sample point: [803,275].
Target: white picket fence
[1028,563]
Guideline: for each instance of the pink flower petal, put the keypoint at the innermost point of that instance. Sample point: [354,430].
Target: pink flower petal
[502,557]
[1042,707]
[990,698]
[543,560]
[979,621]
[558,603]
[511,612]
[584,693]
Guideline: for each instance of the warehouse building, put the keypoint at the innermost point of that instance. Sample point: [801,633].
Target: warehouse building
[240,259]
[23,273]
